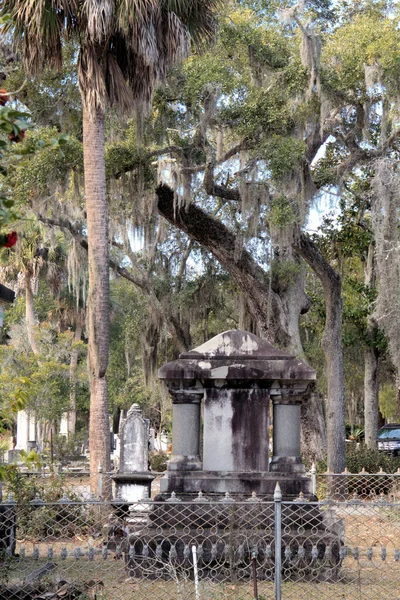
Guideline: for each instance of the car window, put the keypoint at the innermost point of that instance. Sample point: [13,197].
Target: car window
[389,434]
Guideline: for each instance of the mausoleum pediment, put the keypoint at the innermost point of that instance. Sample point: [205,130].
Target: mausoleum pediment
[237,355]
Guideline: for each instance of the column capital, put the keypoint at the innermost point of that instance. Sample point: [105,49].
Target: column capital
[186,395]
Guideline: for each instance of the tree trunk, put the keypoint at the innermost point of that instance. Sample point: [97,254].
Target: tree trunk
[313,429]
[371,364]
[30,317]
[72,377]
[371,395]
[98,298]
[332,347]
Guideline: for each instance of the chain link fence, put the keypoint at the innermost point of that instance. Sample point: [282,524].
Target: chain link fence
[77,546]
[364,486]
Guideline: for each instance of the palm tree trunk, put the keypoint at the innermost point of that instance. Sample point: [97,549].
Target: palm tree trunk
[98,298]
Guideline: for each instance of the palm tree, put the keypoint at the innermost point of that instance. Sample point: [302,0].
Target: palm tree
[125,48]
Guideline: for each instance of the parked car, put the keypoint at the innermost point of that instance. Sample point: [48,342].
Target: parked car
[389,439]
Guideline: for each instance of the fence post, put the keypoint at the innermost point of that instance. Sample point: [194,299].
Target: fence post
[195,572]
[100,483]
[313,472]
[278,541]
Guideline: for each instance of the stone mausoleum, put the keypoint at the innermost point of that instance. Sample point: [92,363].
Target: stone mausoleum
[222,393]
[219,487]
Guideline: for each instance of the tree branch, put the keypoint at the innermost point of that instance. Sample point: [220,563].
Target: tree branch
[140,282]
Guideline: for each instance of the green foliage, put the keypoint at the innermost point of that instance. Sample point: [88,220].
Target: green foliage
[12,125]
[324,171]
[281,212]
[282,154]
[369,459]
[388,403]
[66,449]
[17,151]
[284,273]
[43,380]
[369,39]
[13,402]
[52,99]
[54,519]
[126,156]
[158,461]
[49,169]
[261,110]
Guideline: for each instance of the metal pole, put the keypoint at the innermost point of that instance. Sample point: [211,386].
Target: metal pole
[196,573]
[313,472]
[100,483]
[254,569]
[278,541]
[51,446]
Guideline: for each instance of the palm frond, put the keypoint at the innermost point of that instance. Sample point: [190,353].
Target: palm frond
[37,27]
[123,42]
[91,79]
[119,92]
[198,16]
[130,12]
[100,18]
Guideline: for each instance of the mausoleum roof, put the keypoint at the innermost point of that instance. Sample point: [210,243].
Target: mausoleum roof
[237,355]
[237,344]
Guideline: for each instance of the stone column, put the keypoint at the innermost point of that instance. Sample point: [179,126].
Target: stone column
[64,425]
[22,430]
[185,429]
[286,437]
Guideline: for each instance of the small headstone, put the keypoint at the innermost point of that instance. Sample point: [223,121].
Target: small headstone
[134,440]
[133,478]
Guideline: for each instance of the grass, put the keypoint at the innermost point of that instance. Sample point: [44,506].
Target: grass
[360,578]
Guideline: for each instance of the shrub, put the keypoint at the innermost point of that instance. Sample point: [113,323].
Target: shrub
[370,459]
[158,461]
[47,517]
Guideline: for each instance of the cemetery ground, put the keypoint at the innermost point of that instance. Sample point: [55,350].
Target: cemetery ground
[105,576]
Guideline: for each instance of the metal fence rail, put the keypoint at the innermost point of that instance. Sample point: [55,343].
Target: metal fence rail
[206,549]
[364,486]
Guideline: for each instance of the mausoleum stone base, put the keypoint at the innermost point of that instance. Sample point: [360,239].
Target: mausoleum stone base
[237,484]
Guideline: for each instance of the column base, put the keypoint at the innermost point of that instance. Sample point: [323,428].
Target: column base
[240,485]
[286,464]
[179,462]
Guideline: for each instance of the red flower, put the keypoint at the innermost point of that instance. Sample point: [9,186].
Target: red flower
[16,138]
[11,239]
[3,97]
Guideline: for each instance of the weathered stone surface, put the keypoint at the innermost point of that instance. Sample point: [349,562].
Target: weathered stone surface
[134,442]
[241,485]
[134,479]
[236,375]
[236,430]
[238,355]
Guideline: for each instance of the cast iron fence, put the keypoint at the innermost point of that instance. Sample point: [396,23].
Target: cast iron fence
[204,549]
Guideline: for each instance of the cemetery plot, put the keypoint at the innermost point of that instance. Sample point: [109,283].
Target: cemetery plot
[97,550]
